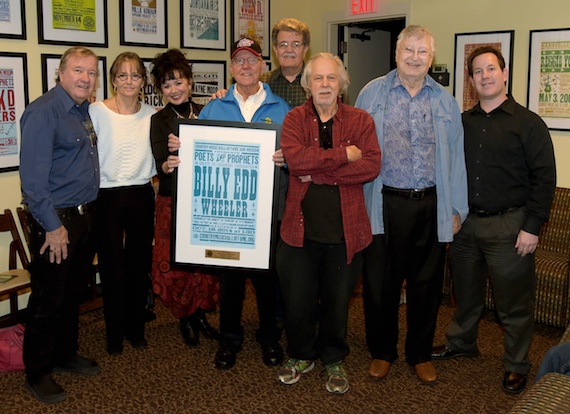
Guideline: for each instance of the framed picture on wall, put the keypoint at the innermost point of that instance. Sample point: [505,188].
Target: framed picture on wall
[50,64]
[208,77]
[224,204]
[549,77]
[143,23]
[13,20]
[465,43]
[251,19]
[151,96]
[203,24]
[13,101]
[69,22]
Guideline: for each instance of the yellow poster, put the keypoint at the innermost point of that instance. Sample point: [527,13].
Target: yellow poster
[74,15]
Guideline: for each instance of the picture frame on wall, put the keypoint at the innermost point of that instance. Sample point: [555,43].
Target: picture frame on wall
[13,20]
[208,76]
[224,204]
[50,65]
[465,43]
[68,22]
[143,23]
[203,24]
[250,18]
[549,76]
[151,96]
[13,100]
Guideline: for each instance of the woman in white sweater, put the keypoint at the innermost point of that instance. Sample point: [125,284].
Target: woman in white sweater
[125,206]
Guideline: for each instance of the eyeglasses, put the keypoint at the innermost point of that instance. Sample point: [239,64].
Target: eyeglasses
[124,76]
[294,45]
[90,131]
[250,60]
[408,51]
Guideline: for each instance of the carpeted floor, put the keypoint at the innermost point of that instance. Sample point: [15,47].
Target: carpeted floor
[169,377]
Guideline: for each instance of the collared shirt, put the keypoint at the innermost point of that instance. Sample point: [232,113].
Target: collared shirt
[450,173]
[59,165]
[301,146]
[251,105]
[292,92]
[409,139]
[510,161]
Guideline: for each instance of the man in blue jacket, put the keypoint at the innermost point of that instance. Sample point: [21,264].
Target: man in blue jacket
[248,100]
[416,204]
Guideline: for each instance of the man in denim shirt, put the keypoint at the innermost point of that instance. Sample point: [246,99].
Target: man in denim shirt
[415,205]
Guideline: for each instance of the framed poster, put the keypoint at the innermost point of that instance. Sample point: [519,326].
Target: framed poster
[13,101]
[203,24]
[12,19]
[465,43]
[208,77]
[549,77]
[73,22]
[151,96]
[143,23]
[250,18]
[50,65]
[224,209]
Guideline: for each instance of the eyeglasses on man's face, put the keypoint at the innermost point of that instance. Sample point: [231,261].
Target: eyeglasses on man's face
[422,53]
[294,45]
[250,60]
[135,77]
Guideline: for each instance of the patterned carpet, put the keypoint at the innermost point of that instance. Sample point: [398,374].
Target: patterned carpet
[169,377]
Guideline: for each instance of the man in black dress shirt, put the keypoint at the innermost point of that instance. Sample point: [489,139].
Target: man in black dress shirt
[511,177]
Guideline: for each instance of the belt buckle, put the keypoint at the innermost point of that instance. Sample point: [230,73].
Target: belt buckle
[415,193]
[81,209]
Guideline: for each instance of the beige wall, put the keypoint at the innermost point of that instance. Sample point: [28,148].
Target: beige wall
[443,17]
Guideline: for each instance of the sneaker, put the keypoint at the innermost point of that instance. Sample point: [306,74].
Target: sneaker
[291,372]
[46,390]
[337,381]
[79,365]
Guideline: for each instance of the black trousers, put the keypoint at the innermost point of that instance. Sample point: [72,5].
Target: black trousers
[409,250]
[487,245]
[232,295]
[125,217]
[317,285]
[53,310]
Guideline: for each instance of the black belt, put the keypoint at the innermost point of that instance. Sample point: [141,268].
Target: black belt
[486,213]
[79,210]
[409,193]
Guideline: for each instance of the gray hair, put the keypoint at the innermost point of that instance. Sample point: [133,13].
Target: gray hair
[416,31]
[342,73]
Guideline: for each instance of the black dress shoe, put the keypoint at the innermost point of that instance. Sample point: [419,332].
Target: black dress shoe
[79,365]
[443,352]
[272,355]
[201,324]
[46,390]
[225,357]
[138,342]
[115,349]
[189,334]
[514,383]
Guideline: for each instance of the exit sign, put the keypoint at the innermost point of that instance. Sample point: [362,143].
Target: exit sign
[362,6]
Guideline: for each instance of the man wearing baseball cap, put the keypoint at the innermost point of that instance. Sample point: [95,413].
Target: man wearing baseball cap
[248,100]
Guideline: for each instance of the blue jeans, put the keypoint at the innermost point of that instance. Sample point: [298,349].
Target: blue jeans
[557,359]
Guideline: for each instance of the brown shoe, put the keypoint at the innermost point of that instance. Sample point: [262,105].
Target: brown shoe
[379,368]
[426,372]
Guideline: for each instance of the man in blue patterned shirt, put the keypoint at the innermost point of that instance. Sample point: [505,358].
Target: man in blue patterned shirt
[416,204]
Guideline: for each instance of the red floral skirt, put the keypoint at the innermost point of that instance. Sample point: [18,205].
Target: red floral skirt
[181,290]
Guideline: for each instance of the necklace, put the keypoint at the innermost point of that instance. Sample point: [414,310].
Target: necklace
[190,115]
[119,109]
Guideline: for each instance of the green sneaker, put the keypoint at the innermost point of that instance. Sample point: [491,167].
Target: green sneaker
[337,381]
[291,372]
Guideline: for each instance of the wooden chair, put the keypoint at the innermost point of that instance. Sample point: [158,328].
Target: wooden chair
[20,277]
